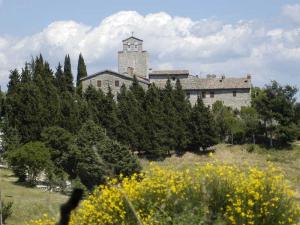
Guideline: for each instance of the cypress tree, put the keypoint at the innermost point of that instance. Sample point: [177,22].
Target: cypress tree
[169,118]
[182,108]
[153,124]
[81,73]
[127,112]
[14,80]
[60,79]
[26,74]
[68,76]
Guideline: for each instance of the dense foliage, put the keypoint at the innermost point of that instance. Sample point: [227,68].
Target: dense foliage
[94,134]
[211,194]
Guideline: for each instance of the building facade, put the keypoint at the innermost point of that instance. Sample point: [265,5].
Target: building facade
[133,61]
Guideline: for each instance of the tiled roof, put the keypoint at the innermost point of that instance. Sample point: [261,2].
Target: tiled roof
[196,83]
[169,72]
[125,76]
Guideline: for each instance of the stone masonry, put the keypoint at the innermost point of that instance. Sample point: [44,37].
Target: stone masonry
[133,61]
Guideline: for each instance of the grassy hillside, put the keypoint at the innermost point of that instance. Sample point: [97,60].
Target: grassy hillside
[288,160]
[32,203]
[29,203]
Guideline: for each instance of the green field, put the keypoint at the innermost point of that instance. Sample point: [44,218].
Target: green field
[31,203]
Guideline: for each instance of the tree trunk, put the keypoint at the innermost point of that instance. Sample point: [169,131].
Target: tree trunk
[271,140]
[253,138]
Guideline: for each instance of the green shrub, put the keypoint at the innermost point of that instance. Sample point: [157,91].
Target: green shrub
[250,148]
[29,161]
[6,210]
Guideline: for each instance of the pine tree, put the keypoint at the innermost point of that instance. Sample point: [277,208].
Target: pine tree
[201,127]
[81,73]
[68,76]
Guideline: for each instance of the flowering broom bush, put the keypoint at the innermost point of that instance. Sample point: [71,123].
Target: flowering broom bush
[200,195]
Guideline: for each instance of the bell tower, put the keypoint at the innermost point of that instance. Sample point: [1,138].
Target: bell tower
[133,58]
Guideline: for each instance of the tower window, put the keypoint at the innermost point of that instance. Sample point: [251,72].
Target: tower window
[203,94]
[234,93]
[98,83]
[212,94]
[117,83]
[173,78]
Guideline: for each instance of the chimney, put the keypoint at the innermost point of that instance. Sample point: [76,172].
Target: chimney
[249,76]
[223,77]
[130,71]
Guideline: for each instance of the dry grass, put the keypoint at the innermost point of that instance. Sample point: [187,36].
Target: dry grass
[29,203]
[287,160]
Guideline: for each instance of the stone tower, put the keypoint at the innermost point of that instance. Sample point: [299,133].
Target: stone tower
[133,60]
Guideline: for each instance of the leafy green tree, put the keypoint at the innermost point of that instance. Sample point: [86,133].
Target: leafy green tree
[251,122]
[29,161]
[222,117]
[201,127]
[275,106]
[68,76]
[81,73]
[118,158]
[64,153]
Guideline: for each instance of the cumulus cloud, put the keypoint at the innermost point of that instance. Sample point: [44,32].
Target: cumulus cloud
[292,12]
[202,46]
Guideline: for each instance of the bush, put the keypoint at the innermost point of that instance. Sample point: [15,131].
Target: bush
[210,194]
[29,161]
[6,210]
[250,148]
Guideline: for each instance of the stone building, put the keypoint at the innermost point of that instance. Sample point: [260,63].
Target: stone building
[133,61]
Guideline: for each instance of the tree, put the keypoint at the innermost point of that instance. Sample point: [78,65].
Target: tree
[128,114]
[275,106]
[169,118]
[29,161]
[14,80]
[201,127]
[222,118]
[91,168]
[153,124]
[68,76]
[251,121]
[182,108]
[64,153]
[118,158]
[81,73]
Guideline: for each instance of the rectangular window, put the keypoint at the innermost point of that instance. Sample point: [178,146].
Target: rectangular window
[98,83]
[212,94]
[203,94]
[117,83]
[234,93]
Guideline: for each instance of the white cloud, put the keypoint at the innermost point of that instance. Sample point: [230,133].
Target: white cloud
[203,46]
[292,12]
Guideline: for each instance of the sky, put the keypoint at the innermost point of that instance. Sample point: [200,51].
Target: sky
[231,38]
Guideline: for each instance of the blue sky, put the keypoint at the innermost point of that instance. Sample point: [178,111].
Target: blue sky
[217,36]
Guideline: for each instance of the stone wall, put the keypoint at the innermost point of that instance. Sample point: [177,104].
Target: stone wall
[138,60]
[242,98]
[108,79]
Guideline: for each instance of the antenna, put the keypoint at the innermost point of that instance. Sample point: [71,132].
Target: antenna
[132,33]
